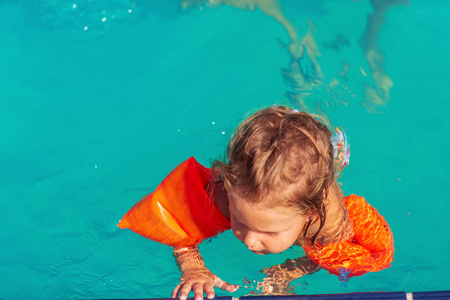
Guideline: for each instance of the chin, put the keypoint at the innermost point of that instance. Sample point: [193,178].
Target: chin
[277,251]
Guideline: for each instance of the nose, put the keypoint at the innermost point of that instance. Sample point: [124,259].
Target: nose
[250,239]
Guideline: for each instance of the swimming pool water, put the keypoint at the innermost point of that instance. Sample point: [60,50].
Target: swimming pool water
[99,100]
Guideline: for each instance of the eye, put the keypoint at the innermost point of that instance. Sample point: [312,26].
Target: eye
[271,233]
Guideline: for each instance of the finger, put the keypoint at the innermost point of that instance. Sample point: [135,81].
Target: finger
[225,285]
[209,290]
[232,287]
[175,291]
[185,289]
[198,291]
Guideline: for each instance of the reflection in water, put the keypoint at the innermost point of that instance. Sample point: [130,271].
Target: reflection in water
[378,94]
[339,42]
[304,75]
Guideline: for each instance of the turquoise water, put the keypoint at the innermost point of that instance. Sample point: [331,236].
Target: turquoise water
[99,100]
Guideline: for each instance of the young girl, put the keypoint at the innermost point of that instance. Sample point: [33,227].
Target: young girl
[276,189]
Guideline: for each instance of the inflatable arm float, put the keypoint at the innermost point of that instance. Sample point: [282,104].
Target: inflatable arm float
[371,250]
[179,212]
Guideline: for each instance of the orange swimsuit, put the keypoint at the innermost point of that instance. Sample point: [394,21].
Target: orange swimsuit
[180,213]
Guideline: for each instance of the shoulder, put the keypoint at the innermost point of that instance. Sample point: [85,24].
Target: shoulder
[338,226]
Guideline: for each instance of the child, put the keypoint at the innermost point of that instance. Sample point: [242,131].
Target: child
[277,189]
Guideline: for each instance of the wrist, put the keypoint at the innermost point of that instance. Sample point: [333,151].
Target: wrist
[188,258]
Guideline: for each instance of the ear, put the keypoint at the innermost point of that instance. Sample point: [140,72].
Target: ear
[326,196]
[312,214]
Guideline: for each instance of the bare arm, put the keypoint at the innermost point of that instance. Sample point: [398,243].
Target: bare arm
[280,276]
[195,276]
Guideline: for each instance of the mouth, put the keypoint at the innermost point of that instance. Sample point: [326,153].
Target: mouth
[260,252]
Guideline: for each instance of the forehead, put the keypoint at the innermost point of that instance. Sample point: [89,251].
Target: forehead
[269,203]
[259,217]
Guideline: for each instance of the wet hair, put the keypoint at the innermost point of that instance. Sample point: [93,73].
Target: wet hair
[282,158]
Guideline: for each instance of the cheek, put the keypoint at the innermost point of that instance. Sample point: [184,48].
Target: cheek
[281,242]
[277,244]
[238,230]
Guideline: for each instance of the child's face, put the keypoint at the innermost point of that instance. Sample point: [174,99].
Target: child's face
[264,230]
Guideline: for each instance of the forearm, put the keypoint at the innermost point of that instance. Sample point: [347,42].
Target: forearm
[194,271]
[305,265]
[280,276]
[188,258]
[294,268]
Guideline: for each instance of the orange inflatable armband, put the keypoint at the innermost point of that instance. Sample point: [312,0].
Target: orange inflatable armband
[179,212]
[371,250]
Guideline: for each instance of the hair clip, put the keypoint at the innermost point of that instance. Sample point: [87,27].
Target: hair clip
[341,149]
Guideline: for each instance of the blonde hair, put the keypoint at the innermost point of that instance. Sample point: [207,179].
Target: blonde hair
[281,157]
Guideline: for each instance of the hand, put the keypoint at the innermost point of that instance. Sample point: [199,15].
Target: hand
[280,276]
[278,280]
[195,276]
[200,280]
